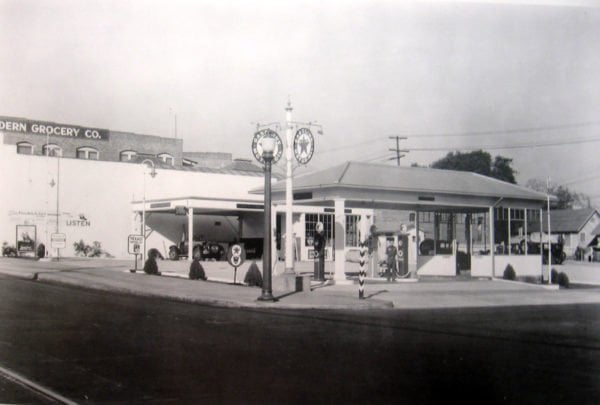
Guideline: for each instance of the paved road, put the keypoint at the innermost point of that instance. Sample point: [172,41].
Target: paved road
[102,347]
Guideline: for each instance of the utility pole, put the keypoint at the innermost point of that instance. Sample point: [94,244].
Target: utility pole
[399,152]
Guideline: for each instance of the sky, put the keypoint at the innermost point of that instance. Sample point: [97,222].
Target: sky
[505,76]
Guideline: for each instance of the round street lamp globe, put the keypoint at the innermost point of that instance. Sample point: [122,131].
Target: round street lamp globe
[268,145]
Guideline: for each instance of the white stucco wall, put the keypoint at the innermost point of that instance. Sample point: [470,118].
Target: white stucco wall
[95,196]
[530,265]
[438,265]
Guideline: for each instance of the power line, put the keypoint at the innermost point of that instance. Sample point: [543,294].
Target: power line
[353,145]
[581,179]
[377,157]
[397,149]
[522,146]
[507,131]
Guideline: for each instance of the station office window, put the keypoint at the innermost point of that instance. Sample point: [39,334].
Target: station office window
[87,153]
[51,150]
[352,231]
[310,221]
[127,155]
[165,157]
[25,148]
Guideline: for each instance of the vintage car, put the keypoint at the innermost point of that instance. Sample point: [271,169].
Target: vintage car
[205,250]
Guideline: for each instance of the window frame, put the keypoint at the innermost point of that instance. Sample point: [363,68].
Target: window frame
[25,144]
[87,151]
[131,154]
[54,150]
[166,158]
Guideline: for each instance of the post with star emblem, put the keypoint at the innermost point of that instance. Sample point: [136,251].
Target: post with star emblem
[236,255]
[289,234]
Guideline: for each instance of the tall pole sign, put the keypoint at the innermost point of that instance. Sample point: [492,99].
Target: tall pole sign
[289,234]
[300,146]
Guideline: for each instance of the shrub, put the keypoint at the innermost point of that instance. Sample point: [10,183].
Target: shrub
[563,280]
[41,251]
[84,250]
[253,276]
[8,250]
[554,276]
[509,273]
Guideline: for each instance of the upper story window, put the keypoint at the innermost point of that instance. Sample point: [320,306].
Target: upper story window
[25,148]
[51,150]
[165,157]
[127,155]
[87,153]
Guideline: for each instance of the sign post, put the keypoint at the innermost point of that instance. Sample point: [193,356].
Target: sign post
[58,241]
[134,243]
[236,255]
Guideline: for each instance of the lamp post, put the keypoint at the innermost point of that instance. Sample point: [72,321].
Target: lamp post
[549,231]
[143,231]
[268,146]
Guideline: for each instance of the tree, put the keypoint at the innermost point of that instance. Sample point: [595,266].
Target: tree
[501,169]
[479,162]
[566,199]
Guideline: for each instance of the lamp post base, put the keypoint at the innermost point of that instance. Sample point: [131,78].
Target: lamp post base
[266,297]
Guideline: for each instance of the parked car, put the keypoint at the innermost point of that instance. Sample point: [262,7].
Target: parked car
[205,250]
[443,247]
[557,256]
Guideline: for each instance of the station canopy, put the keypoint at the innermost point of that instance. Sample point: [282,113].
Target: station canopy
[369,185]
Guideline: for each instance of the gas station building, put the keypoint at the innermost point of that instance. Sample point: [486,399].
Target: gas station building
[96,188]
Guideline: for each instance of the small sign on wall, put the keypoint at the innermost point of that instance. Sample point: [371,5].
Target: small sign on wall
[58,240]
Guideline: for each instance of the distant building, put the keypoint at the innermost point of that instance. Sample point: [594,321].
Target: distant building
[576,228]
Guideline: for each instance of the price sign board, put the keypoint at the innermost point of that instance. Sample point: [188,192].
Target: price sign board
[58,240]
[134,244]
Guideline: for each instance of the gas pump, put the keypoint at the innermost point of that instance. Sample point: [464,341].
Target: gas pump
[319,253]
[401,241]
[402,255]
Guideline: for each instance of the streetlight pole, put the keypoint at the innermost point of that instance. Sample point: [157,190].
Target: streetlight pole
[268,146]
[289,233]
[143,230]
[549,243]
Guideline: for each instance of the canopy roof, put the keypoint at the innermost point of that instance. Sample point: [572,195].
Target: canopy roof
[370,176]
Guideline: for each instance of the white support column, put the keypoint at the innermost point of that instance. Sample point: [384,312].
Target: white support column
[364,228]
[492,242]
[542,242]
[274,258]
[340,241]
[470,241]
[525,231]
[417,226]
[190,234]
[509,231]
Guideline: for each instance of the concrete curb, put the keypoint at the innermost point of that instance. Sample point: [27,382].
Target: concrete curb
[19,274]
[57,279]
[549,287]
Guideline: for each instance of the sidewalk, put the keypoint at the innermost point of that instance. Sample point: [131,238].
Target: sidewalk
[114,275]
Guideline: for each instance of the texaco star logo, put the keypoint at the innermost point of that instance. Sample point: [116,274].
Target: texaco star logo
[304,145]
[257,145]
